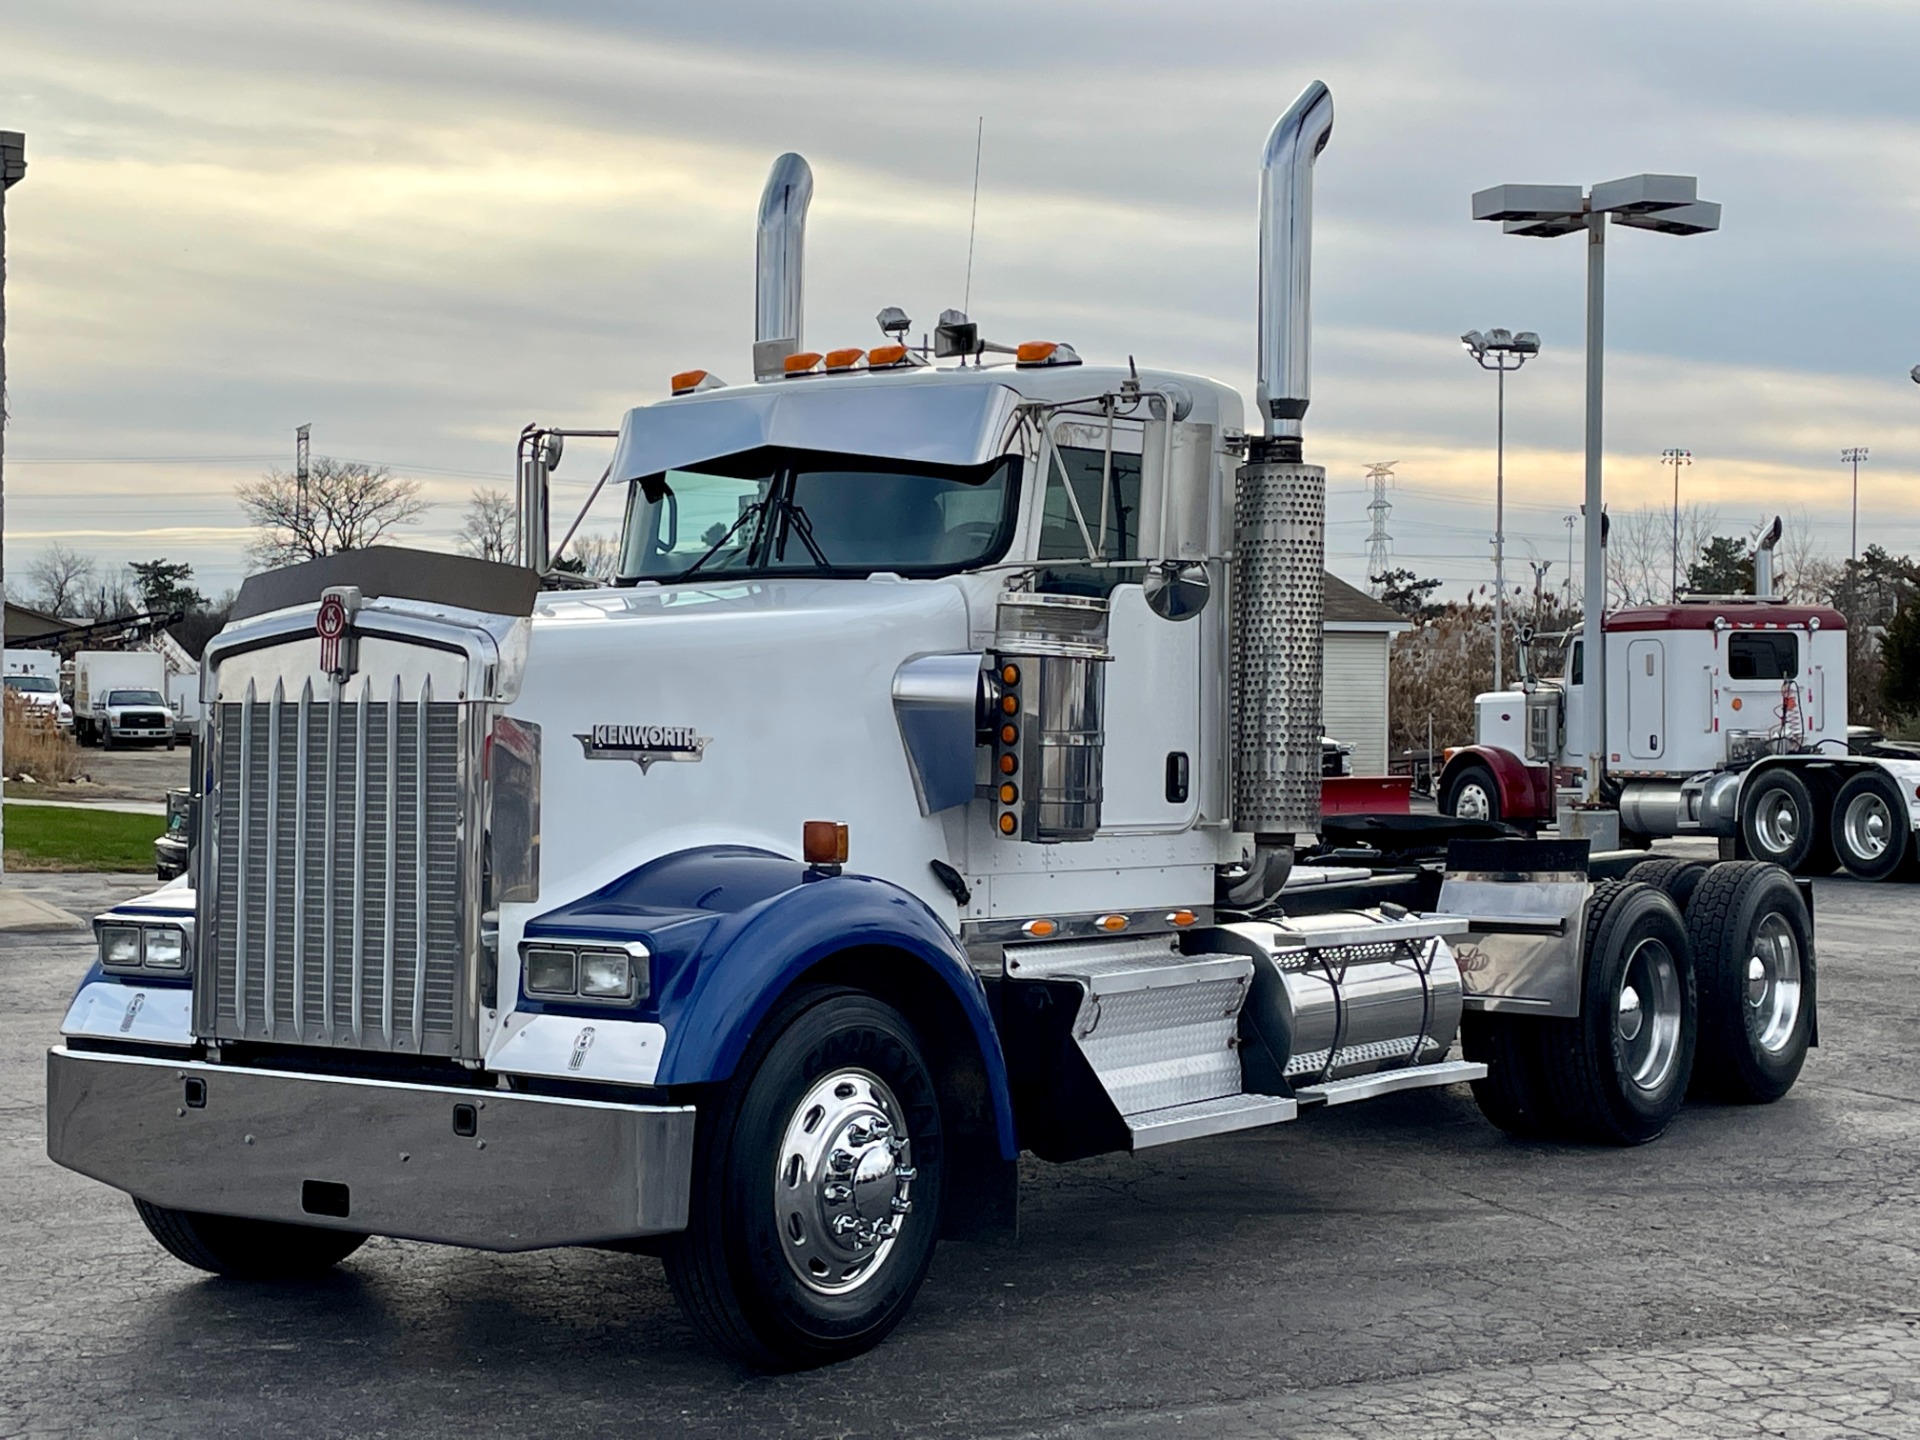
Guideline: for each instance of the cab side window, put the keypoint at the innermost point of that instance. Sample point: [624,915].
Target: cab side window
[1112,521]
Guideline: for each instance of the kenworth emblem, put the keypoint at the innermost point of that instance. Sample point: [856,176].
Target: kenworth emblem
[334,625]
[643,744]
[582,1043]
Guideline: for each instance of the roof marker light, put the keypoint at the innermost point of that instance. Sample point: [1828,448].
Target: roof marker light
[882,356]
[843,359]
[687,382]
[801,363]
[1045,352]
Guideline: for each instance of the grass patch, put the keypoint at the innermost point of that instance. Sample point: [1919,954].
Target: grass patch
[47,837]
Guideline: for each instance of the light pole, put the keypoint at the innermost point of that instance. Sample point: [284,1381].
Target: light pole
[1500,351]
[1853,455]
[1676,458]
[1667,203]
[13,167]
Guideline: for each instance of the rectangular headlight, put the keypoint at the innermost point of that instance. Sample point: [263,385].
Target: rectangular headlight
[606,974]
[550,972]
[120,947]
[166,948]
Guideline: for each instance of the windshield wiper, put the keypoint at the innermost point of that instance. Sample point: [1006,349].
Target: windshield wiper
[803,527]
[715,548]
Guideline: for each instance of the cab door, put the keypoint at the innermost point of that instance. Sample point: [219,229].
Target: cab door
[1646,699]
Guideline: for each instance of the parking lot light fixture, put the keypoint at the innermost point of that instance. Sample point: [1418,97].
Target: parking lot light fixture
[1853,455]
[1671,205]
[1500,351]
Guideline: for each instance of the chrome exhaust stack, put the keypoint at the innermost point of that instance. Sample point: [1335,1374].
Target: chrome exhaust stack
[777,267]
[1763,561]
[1280,522]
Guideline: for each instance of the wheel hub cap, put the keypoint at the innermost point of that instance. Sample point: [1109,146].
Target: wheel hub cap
[1780,824]
[1869,827]
[1773,984]
[1647,1017]
[841,1189]
[1473,803]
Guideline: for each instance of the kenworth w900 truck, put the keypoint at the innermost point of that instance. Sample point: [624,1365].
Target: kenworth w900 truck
[924,790]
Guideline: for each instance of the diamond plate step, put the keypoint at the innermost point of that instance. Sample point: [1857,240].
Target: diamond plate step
[1388,1082]
[1208,1117]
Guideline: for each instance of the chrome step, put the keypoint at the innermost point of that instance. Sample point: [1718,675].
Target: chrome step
[1388,1082]
[1208,1117]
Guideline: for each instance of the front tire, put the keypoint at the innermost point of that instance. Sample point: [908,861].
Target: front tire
[246,1249]
[817,1187]
[1752,945]
[1472,794]
[1872,831]
[1617,1073]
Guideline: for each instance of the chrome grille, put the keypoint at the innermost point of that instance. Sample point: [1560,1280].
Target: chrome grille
[334,857]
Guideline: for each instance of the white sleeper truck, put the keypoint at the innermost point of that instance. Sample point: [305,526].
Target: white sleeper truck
[924,790]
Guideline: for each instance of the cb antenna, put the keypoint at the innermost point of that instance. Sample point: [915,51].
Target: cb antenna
[979,134]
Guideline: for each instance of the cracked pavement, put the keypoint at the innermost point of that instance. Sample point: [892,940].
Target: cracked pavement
[1398,1265]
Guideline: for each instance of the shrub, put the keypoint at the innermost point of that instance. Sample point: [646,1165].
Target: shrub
[37,747]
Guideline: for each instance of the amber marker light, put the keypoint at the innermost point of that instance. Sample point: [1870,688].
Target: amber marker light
[823,842]
[801,363]
[1009,794]
[843,359]
[1007,822]
[1010,704]
[1010,674]
[1112,924]
[1182,918]
[881,356]
[1008,734]
[1008,764]
[688,381]
[1038,929]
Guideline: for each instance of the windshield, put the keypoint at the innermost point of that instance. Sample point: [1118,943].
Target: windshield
[134,697]
[33,684]
[786,513]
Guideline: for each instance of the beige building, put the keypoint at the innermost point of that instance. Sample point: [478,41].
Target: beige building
[1359,632]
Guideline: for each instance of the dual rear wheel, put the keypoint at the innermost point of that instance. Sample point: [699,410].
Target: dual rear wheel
[1867,830]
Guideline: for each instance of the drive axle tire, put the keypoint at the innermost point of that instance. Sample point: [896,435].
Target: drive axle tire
[246,1249]
[1677,879]
[1472,794]
[1872,827]
[1781,824]
[817,1186]
[1512,1096]
[1752,943]
[1617,1073]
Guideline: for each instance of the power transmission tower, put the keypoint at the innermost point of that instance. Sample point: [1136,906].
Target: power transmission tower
[1379,543]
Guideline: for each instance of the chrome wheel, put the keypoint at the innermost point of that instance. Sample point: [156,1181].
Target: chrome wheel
[841,1189]
[1471,802]
[1778,822]
[1867,826]
[1647,1015]
[1773,984]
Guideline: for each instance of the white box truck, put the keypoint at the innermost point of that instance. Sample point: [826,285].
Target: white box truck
[119,697]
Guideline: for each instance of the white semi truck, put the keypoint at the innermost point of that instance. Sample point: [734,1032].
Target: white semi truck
[1726,717]
[923,790]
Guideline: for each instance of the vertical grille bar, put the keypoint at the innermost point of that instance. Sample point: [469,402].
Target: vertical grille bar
[421,711]
[240,880]
[392,858]
[360,855]
[269,960]
[301,725]
[329,1021]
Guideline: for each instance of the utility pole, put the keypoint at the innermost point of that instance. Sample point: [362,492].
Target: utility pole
[13,168]
[1379,545]
[1853,455]
[1676,458]
[301,434]
[1571,521]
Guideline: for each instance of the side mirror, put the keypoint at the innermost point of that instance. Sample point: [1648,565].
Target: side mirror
[1177,591]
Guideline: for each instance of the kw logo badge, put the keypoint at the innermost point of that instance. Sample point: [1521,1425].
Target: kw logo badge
[644,745]
[133,1009]
[582,1043]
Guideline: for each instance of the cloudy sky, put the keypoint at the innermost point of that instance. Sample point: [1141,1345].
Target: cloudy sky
[420,225]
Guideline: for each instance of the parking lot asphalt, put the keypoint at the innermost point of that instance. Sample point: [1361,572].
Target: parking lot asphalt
[1399,1267]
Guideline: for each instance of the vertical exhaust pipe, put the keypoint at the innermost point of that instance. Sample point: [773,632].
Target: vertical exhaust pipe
[1280,530]
[1763,561]
[1286,265]
[777,265]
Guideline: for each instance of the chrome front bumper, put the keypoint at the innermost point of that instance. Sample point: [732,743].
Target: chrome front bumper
[484,1168]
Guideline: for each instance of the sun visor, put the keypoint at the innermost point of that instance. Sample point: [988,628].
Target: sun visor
[934,424]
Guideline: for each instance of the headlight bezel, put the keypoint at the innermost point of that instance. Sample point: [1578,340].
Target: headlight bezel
[141,959]
[566,983]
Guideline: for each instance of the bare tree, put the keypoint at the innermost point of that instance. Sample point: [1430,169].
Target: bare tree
[1802,574]
[62,580]
[487,529]
[1640,556]
[594,556]
[345,505]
